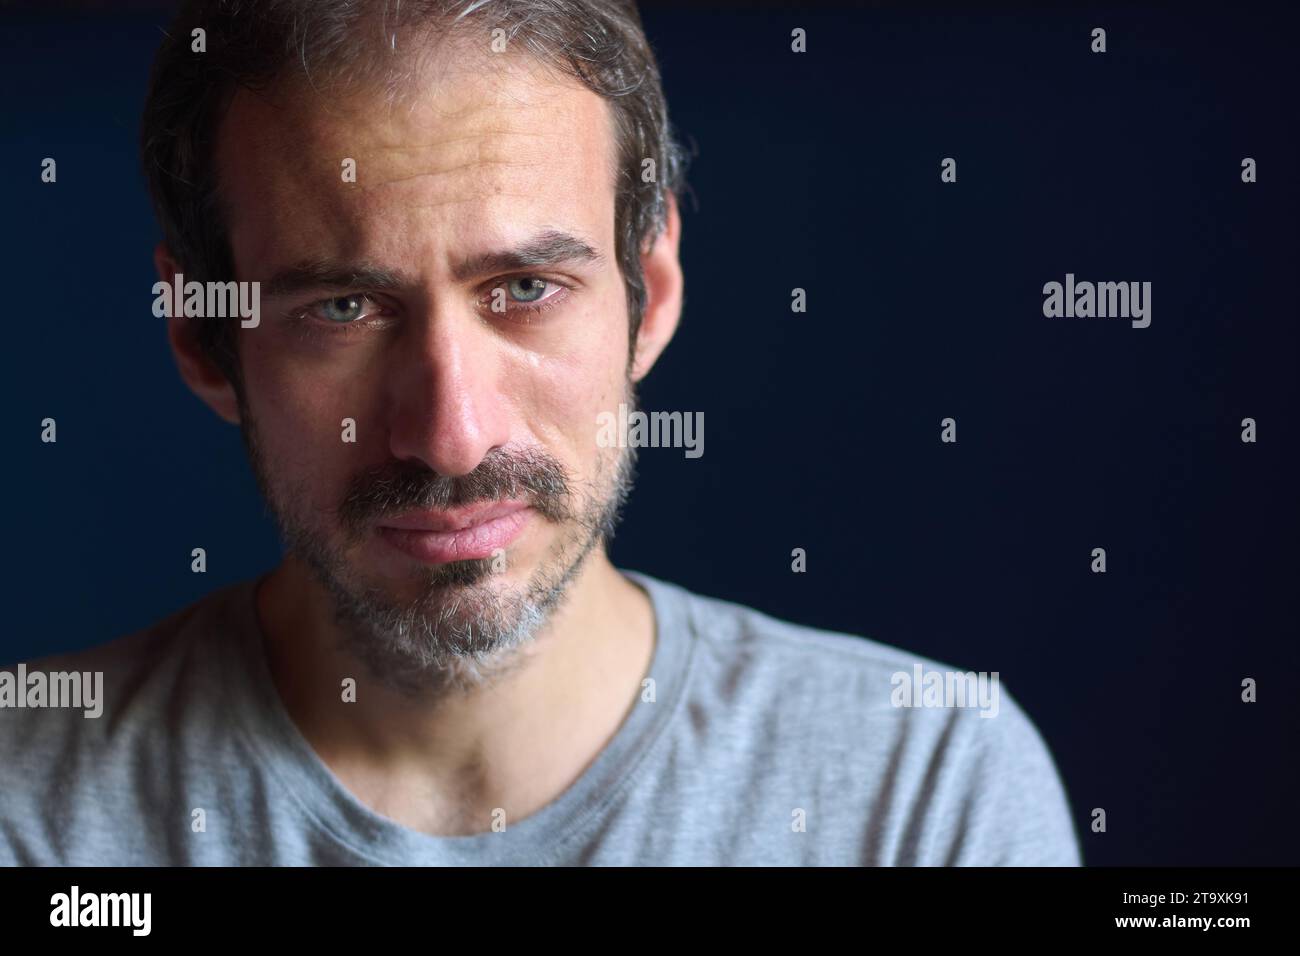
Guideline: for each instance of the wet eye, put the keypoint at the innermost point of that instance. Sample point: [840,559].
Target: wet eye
[344,309]
[525,296]
[526,288]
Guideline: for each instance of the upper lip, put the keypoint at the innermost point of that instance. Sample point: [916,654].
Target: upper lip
[457,519]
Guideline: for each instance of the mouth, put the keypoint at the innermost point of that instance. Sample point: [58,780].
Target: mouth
[462,534]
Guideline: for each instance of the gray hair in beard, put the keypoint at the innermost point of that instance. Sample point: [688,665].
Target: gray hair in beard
[459,632]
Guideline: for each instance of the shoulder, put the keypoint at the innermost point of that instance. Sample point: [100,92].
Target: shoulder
[740,650]
[100,686]
[84,733]
[949,756]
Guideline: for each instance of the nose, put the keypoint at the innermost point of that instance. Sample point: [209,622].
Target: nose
[448,409]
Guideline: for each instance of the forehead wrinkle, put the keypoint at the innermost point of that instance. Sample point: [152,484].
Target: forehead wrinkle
[502,148]
[450,169]
[503,134]
[460,200]
[399,148]
[378,128]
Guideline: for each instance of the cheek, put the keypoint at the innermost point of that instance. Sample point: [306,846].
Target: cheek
[571,386]
[300,428]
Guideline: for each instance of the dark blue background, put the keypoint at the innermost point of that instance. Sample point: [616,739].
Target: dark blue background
[822,429]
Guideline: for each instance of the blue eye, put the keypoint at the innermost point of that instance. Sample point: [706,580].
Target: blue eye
[344,309]
[527,296]
[527,288]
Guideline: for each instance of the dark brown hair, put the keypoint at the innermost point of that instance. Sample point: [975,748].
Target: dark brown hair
[253,43]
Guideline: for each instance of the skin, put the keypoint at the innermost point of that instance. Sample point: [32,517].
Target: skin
[485,154]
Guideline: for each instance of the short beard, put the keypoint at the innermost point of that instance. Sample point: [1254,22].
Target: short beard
[458,633]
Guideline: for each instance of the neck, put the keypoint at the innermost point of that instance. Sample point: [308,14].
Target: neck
[445,763]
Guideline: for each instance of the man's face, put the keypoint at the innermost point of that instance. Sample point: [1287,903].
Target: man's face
[378,309]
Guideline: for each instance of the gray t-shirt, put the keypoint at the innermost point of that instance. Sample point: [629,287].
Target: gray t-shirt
[763,743]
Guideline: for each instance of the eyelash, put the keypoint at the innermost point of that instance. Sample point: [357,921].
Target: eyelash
[304,317]
[308,323]
[542,305]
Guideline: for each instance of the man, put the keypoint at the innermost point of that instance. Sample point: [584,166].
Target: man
[462,220]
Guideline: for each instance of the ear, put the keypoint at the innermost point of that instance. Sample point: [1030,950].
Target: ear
[664,292]
[203,377]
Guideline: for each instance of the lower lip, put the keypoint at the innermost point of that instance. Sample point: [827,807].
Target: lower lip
[477,541]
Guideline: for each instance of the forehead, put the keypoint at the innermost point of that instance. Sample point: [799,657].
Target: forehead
[479,149]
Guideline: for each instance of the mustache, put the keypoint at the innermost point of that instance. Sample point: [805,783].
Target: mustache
[396,487]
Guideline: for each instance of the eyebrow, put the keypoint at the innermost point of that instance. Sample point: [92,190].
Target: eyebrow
[550,247]
[325,274]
